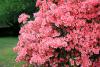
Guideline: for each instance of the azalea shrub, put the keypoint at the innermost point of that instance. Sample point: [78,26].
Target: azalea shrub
[63,33]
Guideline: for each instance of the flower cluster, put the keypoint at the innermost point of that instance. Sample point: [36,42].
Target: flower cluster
[64,33]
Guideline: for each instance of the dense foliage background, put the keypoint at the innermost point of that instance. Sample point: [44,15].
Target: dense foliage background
[9,12]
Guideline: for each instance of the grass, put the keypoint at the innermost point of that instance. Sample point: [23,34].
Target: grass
[7,56]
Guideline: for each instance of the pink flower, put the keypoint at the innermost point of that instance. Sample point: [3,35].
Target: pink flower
[85,61]
[72,62]
[96,50]
[96,64]
[37,59]
[23,18]
[62,31]
[38,3]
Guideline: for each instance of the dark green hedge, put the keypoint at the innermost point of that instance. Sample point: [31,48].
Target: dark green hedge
[9,12]
[11,9]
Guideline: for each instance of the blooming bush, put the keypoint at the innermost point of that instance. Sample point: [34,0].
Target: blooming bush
[64,33]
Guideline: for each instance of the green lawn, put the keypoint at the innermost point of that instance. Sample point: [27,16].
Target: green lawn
[7,56]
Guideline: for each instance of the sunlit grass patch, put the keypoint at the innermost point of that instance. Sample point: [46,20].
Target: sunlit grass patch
[7,56]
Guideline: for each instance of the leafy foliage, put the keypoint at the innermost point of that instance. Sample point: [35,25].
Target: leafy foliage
[11,9]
